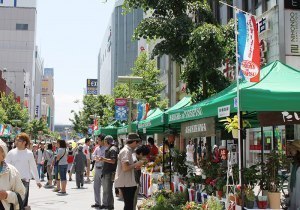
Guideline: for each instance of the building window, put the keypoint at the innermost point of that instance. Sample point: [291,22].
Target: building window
[258,7]
[23,27]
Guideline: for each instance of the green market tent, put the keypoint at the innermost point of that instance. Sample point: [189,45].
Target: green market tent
[124,130]
[156,122]
[278,90]
[111,129]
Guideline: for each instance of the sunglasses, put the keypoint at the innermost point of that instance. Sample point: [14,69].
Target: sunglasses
[19,140]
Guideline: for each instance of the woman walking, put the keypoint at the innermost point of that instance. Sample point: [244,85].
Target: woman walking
[61,160]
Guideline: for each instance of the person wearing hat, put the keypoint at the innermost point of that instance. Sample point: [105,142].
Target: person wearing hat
[23,159]
[10,181]
[294,184]
[125,177]
[216,154]
[79,165]
[108,172]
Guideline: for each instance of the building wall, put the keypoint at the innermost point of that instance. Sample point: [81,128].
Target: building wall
[118,52]
[39,66]
[17,49]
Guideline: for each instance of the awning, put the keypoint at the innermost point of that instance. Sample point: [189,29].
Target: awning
[155,122]
[278,90]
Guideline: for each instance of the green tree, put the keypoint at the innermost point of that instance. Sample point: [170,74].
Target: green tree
[37,125]
[100,105]
[206,54]
[13,112]
[150,89]
[190,34]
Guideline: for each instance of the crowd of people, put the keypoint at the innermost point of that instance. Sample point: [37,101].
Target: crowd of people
[26,161]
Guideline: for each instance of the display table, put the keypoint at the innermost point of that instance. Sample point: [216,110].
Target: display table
[149,183]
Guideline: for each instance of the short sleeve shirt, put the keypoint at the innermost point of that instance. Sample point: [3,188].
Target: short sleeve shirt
[110,153]
[122,178]
[86,151]
[63,154]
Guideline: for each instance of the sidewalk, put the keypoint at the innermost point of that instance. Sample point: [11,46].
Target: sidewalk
[44,199]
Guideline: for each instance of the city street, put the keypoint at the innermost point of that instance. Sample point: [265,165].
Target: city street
[43,199]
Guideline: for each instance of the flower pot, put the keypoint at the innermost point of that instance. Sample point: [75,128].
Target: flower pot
[274,200]
[249,204]
[235,133]
[262,204]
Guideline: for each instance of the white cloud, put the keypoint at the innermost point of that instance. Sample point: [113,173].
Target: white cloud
[64,103]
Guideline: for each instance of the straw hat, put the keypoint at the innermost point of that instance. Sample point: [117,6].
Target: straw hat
[296,145]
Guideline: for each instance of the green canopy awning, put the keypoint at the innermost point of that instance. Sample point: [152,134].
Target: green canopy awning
[155,122]
[111,129]
[278,90]
[124,130]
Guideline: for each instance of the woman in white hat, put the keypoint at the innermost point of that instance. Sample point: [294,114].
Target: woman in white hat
[294,185]
[10,182]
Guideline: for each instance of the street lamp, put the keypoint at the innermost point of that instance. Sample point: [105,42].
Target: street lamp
[130,80]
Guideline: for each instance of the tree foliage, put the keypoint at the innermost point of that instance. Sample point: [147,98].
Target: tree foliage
[189,33]
[37,125]
[100,105]
[150,89]
[12,112]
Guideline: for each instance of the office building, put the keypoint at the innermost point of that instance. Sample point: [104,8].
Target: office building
[47,97]
[118,52]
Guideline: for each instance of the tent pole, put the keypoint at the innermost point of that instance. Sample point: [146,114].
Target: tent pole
[262,143]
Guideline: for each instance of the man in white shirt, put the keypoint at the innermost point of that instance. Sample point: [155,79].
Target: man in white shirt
[23,160]
[86,151]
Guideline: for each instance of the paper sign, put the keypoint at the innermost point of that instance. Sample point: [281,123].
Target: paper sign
[224,111]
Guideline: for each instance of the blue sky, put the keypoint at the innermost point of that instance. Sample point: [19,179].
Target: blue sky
[69,36]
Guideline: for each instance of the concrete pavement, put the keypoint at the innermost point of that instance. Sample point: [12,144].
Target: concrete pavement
[43,199]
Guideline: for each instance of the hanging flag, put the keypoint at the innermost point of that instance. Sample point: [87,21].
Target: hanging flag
[140,111]
[95,127]
[146,110]
[248,47]
[2,129]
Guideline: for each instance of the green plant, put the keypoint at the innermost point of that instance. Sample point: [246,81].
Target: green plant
[251,176]
[191,206]
[220,184]
[179,163]
[233,123]
[249,193]
[214,203]
[272,177]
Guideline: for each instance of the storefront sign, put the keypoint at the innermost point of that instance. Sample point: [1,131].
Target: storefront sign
[224,111]
[292,33]
[187,114]
[292,4]
[279,118]
[198,128]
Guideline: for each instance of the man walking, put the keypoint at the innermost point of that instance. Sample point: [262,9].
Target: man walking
[125,179]
[23,160]
[98,154]
[86,151]
[108,172]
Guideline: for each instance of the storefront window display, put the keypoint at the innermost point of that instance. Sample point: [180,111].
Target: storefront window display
[255,144]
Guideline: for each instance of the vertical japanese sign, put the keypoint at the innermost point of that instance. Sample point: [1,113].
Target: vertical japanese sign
[292,33]
[121,109]
[248,47]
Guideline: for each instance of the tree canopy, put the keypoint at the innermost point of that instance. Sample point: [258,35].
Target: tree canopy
[149,90]
[189,33]
[100,105]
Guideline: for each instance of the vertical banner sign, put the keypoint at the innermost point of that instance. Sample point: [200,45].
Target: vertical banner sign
[140,111]
[121,109]
[95,127]
[91,86]
[248,47]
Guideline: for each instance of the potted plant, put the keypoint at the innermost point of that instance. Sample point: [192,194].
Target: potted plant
[273,165]
[250,198]
[214,203]
[220,183]
[232,125]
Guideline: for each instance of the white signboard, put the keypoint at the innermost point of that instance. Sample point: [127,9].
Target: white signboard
[292,33]
[224,111]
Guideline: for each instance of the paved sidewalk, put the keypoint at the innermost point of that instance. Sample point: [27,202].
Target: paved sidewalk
[43,199]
